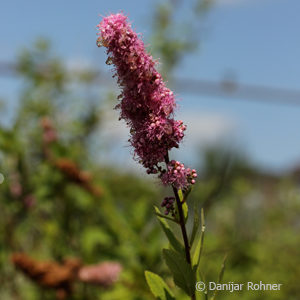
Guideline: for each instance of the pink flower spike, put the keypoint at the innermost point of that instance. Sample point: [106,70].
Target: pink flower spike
[146,103]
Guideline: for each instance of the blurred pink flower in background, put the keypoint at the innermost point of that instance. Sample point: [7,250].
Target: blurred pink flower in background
[104,274]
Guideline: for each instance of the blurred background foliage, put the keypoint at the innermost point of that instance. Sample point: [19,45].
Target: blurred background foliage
[56,201]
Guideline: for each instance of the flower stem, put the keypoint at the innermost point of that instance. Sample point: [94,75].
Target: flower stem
[182,226]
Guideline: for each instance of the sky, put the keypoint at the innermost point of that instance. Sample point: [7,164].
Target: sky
[256,40]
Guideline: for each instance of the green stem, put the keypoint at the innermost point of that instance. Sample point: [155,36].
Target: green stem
[182,226]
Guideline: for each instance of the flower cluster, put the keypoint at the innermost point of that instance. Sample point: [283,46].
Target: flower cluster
[147,105]
[168,203]
[178,176]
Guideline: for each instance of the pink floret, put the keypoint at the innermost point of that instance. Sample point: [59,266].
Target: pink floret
[178,176]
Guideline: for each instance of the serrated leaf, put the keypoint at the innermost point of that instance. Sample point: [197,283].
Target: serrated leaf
[158,287]
[182,272]
[170,235]
[199,246]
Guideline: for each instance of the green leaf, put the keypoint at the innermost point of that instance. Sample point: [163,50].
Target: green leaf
[180,194]
[220,276]
[185,211]
[170,235]
[183,274]
[183,198]
[195,225]
[186,194]
[158,287]
[199,246]
[166,217]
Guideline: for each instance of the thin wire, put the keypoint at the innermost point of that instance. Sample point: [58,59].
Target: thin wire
[223,89]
